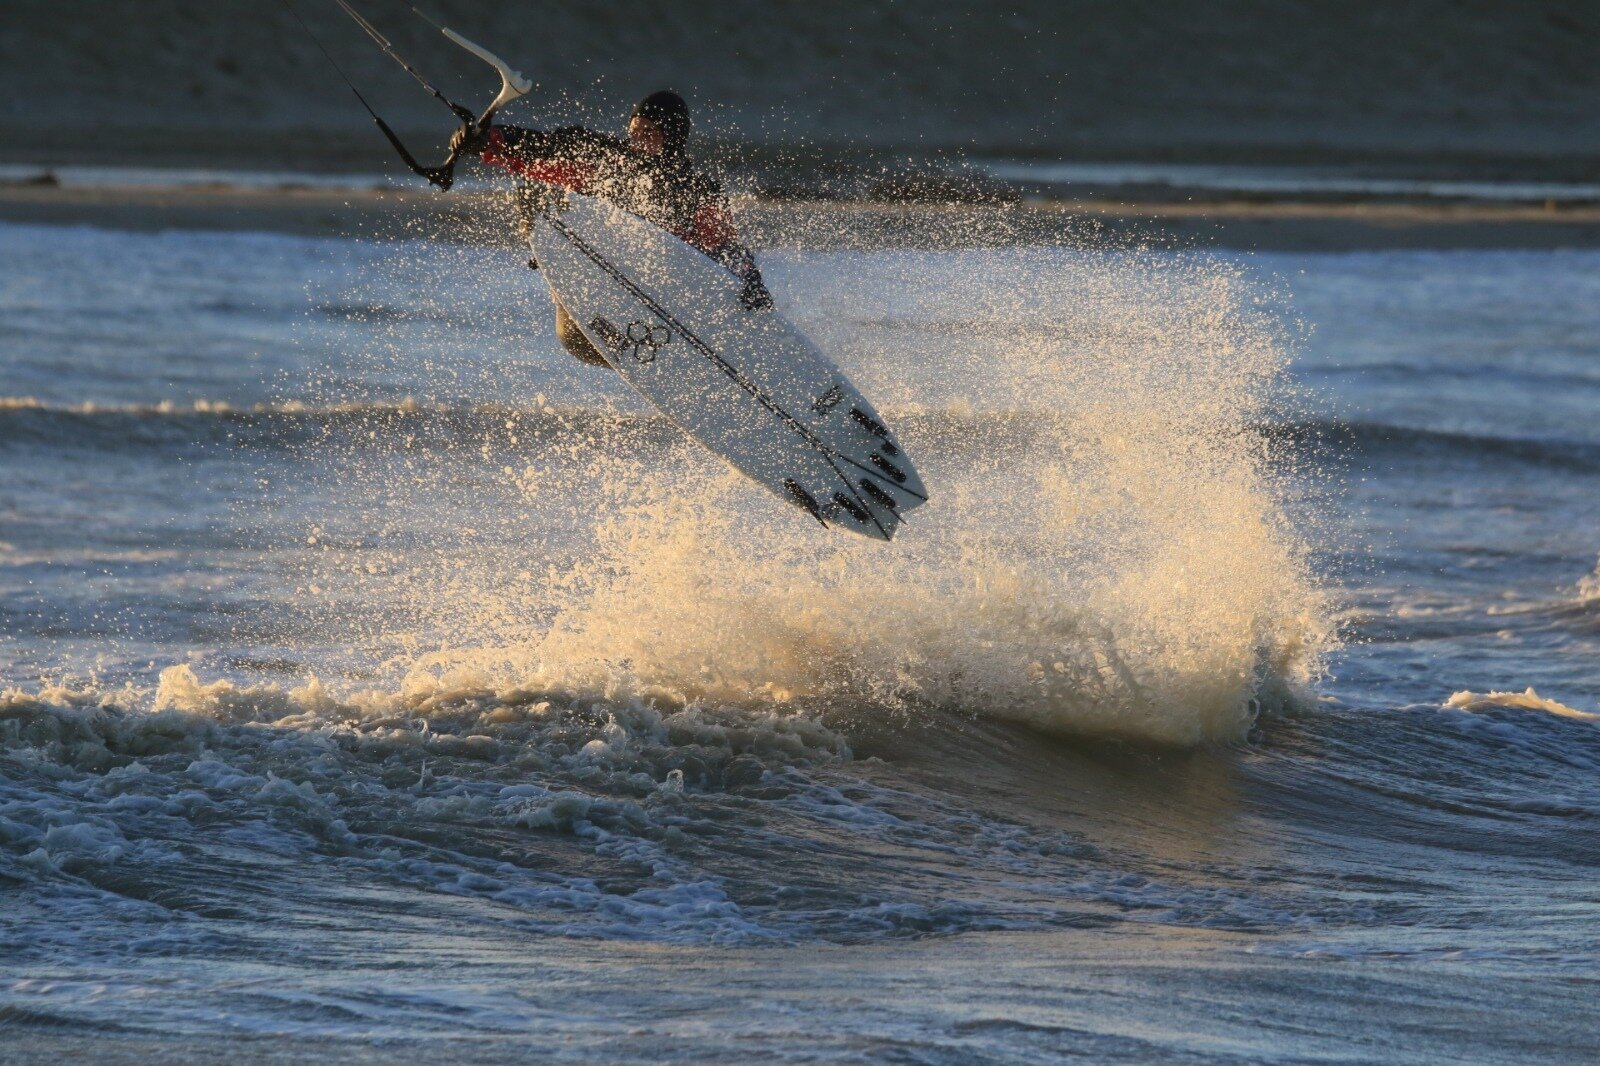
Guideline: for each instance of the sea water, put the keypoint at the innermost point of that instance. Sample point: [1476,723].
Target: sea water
[380,681]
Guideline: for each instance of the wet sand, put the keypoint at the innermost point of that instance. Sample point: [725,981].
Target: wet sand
[1267,225]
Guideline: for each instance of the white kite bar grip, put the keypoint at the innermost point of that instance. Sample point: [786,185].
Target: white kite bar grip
[512,84]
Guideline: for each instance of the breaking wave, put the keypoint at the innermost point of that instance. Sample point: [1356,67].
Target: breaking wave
[1108,552]
[157,815]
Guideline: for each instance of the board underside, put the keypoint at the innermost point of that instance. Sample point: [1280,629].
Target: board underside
[745,383]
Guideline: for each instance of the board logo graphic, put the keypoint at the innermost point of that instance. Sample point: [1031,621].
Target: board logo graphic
[641,339]
[646,339]
[828,400]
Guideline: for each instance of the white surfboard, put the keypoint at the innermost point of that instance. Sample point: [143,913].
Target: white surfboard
[746,384]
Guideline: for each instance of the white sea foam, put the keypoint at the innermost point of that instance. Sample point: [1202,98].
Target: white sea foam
[1589,587]
[1528,700]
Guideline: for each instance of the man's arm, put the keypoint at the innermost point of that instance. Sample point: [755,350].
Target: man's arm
[715,234]
[568,156]
[737,258]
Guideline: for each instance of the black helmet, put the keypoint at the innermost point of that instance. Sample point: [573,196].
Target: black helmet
[670,115]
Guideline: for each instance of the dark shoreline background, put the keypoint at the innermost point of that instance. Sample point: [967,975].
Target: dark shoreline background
[1499,90]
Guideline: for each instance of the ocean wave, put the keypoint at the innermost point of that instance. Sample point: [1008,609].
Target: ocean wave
[1329,437]
[537,809]
[370,781]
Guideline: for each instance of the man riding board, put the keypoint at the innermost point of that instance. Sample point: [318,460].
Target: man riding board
[649,173]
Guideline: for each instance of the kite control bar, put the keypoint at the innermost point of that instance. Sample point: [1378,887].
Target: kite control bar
[512,86]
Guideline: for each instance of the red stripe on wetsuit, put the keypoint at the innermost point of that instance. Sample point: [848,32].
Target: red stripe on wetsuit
[562,172]
[713,228]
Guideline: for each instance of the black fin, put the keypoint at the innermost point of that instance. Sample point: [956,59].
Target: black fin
[888,468]
[878,494]
[876,428]
[611,335]
[872,424]
[804,499]
[852,507]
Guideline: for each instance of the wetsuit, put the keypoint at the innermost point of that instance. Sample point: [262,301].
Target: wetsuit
[663,188]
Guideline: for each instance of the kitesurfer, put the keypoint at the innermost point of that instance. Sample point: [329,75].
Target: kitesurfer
[648,173]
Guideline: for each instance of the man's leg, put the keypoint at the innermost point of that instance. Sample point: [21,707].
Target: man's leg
[572,338]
